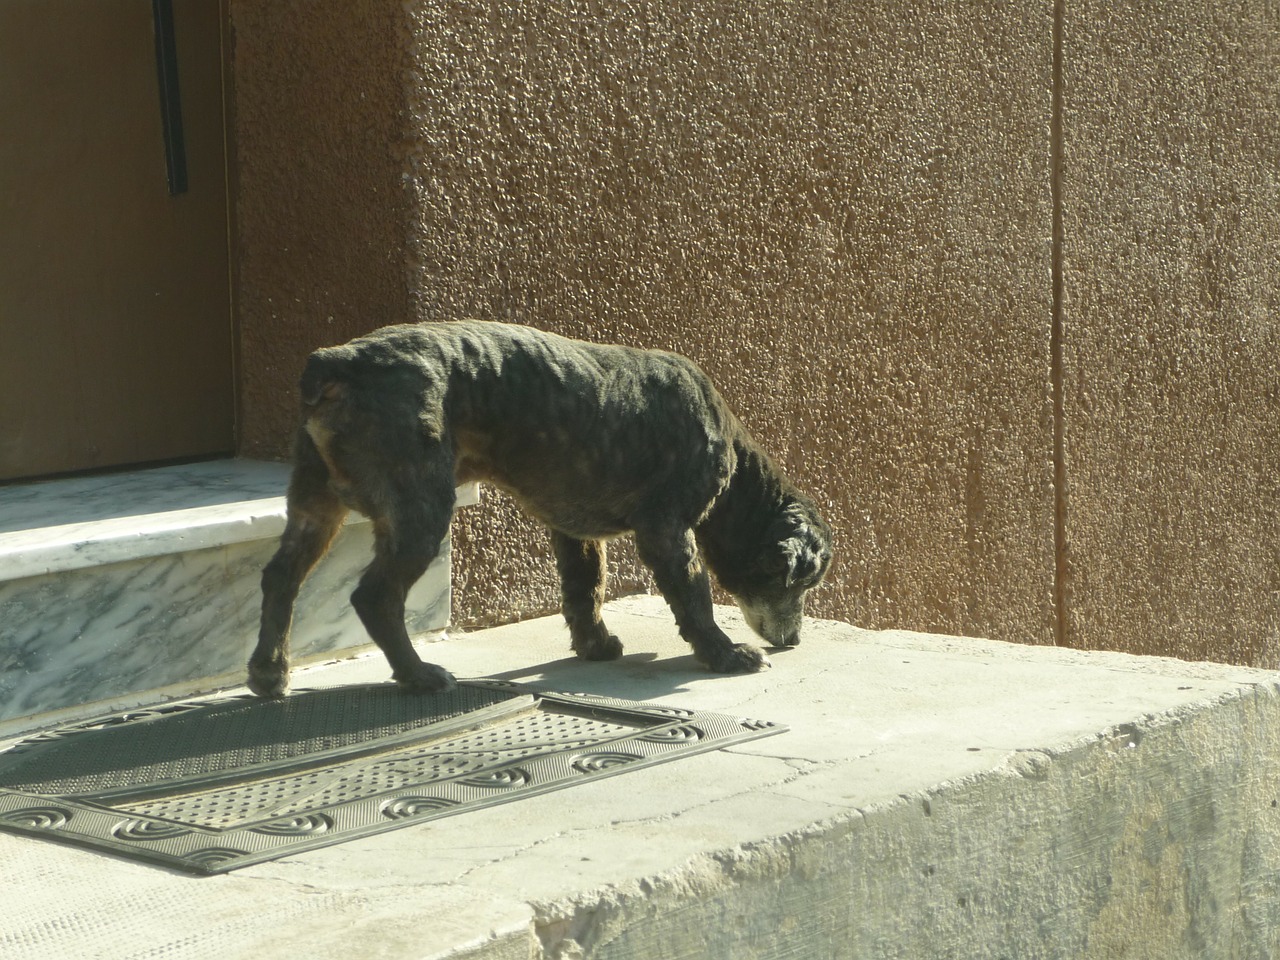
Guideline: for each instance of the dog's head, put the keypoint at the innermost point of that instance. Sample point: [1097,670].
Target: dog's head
[791,560]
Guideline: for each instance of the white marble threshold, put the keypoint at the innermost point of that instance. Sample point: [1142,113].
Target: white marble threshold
[68,524]
[118,584]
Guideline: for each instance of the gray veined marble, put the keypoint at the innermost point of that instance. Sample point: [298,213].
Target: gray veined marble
[115,585]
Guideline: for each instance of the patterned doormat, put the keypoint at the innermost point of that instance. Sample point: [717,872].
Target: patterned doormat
[211,785]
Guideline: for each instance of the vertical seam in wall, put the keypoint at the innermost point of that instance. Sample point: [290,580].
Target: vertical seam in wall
[230,180]
[1057,334]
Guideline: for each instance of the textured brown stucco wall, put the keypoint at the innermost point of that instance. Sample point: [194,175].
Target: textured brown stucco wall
[840,210]
[845,212]
[320,204]
[1172,219]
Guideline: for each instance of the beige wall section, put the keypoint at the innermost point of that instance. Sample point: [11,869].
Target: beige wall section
[841,211]
[321,208]
[1172,200]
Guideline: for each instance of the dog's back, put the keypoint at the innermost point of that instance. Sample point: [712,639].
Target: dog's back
[593,440]
[583,434]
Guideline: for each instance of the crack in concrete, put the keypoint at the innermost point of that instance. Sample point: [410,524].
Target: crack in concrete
[512,853]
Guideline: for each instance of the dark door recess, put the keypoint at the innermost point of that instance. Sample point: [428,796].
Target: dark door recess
[115,318]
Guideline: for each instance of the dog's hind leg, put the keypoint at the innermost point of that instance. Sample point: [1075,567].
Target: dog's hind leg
[406,540]
[314,516]
[581,564]
[673,557]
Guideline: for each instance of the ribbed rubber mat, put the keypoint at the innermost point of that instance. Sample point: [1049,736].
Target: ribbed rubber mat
[214,784]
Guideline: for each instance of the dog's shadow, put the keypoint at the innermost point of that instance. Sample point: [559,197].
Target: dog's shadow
[633,676]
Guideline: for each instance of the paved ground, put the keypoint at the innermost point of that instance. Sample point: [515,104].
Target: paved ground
[934,797]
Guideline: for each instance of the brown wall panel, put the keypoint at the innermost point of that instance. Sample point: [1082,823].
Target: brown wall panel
[1172,218]
[842,211]
[321,207]
[846,213]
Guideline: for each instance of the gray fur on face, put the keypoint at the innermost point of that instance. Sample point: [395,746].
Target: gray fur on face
[595,441]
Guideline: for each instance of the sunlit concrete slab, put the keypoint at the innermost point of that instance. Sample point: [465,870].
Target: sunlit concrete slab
[932,796]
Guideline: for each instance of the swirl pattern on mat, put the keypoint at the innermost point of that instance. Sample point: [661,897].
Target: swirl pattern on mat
[303,825]
[413,806]
[603,760]
[211,857]
[505,778]
[41,818]
[147,830]
[686,733]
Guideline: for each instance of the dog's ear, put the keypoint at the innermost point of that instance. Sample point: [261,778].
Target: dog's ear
[808,547]
[807,558]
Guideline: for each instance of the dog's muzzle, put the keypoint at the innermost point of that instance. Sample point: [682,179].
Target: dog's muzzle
[778,626]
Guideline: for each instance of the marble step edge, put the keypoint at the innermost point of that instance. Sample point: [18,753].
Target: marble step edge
[61,548]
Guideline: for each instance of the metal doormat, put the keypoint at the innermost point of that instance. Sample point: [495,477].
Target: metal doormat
[214,784]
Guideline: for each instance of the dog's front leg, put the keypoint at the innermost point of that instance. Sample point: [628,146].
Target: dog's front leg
[406,540]
[582,568]
[672,555]
[314,516]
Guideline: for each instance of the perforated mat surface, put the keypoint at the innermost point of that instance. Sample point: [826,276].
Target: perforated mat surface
[215,784]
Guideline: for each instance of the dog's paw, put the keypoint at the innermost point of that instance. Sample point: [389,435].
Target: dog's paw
[603,647]
[269,679]
[427,678]
[739,658]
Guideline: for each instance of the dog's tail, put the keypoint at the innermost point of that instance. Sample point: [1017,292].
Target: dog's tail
[324,377]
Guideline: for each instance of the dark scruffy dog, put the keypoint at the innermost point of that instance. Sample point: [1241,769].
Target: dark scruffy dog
[593,440]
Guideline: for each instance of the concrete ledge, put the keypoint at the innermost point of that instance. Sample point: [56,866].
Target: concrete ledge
[934,797]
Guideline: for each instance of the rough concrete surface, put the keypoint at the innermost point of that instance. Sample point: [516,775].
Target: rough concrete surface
[934,797]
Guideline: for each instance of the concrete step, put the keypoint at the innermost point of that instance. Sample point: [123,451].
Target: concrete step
[129,588]
[933,797]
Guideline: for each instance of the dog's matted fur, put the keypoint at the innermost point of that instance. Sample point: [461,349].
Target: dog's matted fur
[593,440]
